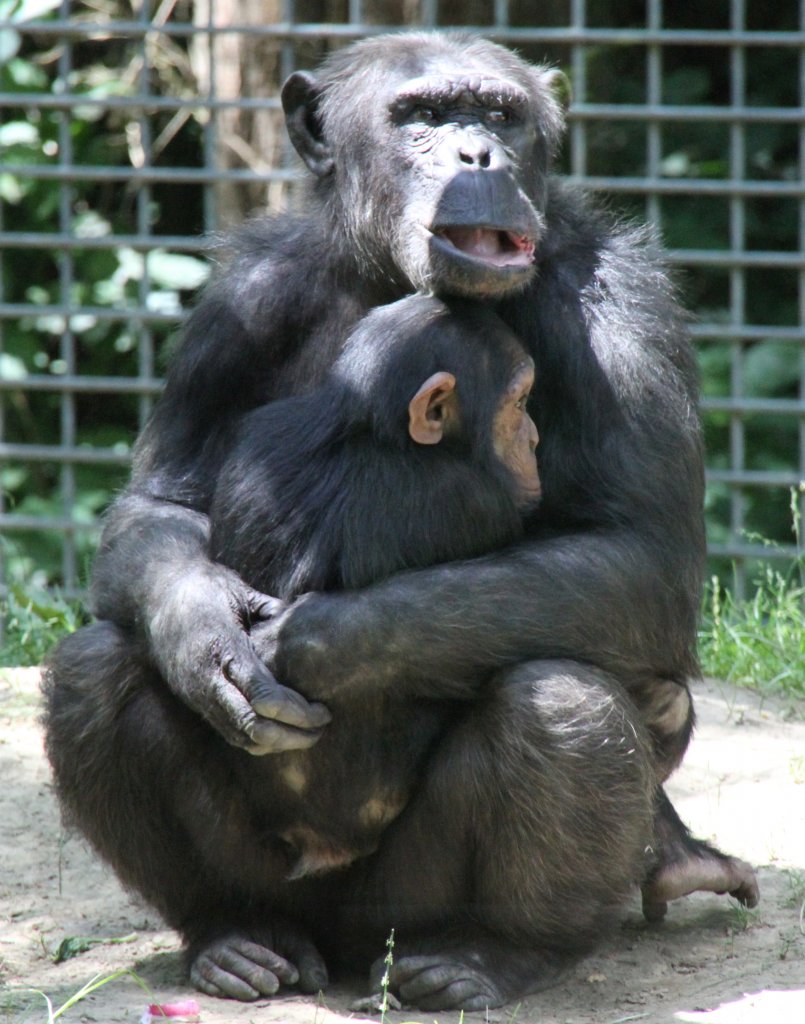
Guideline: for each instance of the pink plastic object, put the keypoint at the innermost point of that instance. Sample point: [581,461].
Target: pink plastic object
[186,1010]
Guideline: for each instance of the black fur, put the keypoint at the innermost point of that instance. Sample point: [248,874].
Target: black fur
[531,819]
[326,490]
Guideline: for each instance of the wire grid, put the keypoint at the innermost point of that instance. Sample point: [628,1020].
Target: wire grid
[171,197]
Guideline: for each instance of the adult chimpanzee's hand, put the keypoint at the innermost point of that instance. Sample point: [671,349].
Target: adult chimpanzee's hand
[198,636]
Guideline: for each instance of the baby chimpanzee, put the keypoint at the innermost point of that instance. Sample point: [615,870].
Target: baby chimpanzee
[416,449]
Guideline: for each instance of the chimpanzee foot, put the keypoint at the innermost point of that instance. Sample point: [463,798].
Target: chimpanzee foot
[444,982]
[684,865]
[474,974]
[704,869]
[246,967]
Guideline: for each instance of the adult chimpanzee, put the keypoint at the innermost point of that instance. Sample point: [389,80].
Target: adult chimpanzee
[431,159]
[425,405]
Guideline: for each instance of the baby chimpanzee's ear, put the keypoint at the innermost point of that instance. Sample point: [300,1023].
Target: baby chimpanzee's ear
[433,409]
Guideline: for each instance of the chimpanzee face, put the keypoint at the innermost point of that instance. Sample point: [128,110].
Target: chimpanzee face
[433,161]
[515,436]
[468,225]
[437,411]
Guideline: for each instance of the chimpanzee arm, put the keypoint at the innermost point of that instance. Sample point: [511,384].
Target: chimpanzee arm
[619,588]
[607,599]
[152,575]
[612,571]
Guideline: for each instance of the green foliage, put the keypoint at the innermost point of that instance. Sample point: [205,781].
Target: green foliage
[20,11]
[75,945]
[765,367]
[109,278]
[759,642]
[33,621]
[101,281]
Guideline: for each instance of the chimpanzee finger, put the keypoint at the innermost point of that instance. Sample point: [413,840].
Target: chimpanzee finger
[266,737]
[268,698]
[313,976]
[241,969]
[263,956]
[290,708]
[653,909]
[259,735]
[433,983]
[214,981]
[231,714]
[262,607]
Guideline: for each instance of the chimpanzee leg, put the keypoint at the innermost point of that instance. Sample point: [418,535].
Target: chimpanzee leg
[150,785]
[686,864]
[531,830]
[666,709]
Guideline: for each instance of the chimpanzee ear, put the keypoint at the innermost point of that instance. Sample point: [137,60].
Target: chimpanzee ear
[433,409]
[300,99]
[559,85]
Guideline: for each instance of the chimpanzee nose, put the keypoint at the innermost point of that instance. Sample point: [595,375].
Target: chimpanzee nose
[475,154]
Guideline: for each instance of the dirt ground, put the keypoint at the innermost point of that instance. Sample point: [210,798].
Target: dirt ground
[742,784]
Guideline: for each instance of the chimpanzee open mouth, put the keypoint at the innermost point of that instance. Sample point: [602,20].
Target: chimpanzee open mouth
[497,246]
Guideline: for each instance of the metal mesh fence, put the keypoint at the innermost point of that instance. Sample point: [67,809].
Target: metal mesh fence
[129,131]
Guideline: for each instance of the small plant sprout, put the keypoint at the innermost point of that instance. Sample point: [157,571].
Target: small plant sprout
[86,990]
[386,979]
[742,916]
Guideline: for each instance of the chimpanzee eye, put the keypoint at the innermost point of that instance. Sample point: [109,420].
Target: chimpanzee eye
[425,114]
[498,115]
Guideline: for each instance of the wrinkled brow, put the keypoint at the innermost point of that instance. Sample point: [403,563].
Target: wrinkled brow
[477,90]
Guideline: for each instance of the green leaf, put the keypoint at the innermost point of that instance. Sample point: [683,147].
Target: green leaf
[770,370]
[12,368]
[18,133]
[43,608]
[9,44]
[90,224]
[27,10]
[73,946]
[174,270]
[26,75]
[11,189]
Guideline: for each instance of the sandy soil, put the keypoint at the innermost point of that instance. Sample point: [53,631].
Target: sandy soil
[743,785]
